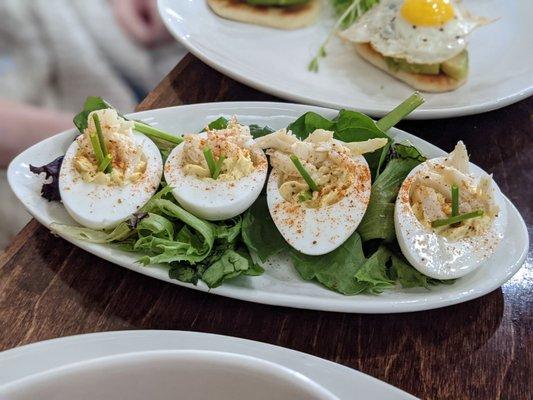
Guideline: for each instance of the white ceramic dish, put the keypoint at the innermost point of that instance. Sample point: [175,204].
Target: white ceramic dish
[161,375]
[149,357]
[280,284]
[275,61]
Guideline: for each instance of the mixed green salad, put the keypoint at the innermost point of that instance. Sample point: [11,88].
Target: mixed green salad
[192,248]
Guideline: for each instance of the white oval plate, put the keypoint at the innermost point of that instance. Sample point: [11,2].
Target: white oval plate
[39,358]
[275,61]
[280,284]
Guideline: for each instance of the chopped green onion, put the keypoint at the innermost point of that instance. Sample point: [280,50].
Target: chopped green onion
[152,132]
[303,172]
[215,166]
[103,146]
[105,162]
[304,196]
[210,159]
[400,112]
[218,167]
[97,150]
[456,219]
[455,200]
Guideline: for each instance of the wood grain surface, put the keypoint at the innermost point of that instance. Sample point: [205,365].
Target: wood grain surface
[482,349]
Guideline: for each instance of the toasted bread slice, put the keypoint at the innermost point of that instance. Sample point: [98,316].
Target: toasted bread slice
[287,17]
[426,83]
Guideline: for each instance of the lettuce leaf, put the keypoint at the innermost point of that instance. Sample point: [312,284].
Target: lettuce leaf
[373,273]
[335,270]
[231,264]
[50,190]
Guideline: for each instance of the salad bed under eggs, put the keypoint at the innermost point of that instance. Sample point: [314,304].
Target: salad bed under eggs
[328,202]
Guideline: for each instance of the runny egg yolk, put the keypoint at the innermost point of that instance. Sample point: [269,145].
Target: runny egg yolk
[427,12]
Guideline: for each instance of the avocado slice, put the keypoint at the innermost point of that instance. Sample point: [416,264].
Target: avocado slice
[277,3]
[396,64]
[456,67]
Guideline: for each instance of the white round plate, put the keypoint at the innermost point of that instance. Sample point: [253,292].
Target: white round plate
[21,368]
[275,61]
[280,284]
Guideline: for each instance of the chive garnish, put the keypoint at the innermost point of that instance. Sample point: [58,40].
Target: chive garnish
[105,162]
[455,219]
[218,167]
[455,200]
[97,150]
[303,172]
[155,133]
[400,112]
[215,166]
[103,146]
[210,159]
[304,196]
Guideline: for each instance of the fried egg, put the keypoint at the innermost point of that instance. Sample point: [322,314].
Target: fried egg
[419,31]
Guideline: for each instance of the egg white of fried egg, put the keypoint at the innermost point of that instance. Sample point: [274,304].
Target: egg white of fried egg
[419,31]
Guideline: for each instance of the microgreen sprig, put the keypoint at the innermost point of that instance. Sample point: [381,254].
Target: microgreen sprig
[354,11]
[303,172]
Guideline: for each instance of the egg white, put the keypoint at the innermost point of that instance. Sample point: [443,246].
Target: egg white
[210,199]
[320,231]
[100,206]
[437,256]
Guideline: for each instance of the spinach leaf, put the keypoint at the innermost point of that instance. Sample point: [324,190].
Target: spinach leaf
[309,122]
[219,123]
[259,232]
[335,270]
[92,103]
[258,131]
[378,221]
[402,150]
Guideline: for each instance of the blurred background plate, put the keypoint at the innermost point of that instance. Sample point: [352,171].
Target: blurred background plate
[275,61]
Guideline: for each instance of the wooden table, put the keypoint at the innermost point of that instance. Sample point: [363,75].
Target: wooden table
[481,349]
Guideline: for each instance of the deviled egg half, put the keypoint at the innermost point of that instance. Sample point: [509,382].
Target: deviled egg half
[449,220]
[217,174]
[319,188]
[108,172]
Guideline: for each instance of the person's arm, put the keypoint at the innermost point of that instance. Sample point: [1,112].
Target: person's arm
[22,125]
[141,21]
